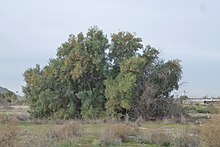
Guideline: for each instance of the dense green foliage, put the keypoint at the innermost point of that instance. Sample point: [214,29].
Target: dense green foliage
[92,77]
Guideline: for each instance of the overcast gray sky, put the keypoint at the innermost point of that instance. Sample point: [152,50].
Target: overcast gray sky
[31,32]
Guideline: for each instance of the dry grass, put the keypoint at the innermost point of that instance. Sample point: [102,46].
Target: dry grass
[61,135]
[178,138]
[210,131]
[8,119]
[159,138]
[186,139]
[171,135]
[9,136]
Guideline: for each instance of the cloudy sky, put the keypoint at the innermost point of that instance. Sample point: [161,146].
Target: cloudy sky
[31,32]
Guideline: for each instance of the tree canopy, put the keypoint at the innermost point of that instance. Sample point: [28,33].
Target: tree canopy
[92,77]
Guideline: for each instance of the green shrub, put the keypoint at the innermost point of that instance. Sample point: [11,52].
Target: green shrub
[191,108]
[208,109]
[212,109]
[201,109]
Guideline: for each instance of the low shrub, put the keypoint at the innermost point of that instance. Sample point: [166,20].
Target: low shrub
[186,140]
[110,140]
[38,121]
[157,137]
[160,138]
[212,109]
[190,108]
[69,130]
[116,134]
[176,120]
[59,121]
[202,110]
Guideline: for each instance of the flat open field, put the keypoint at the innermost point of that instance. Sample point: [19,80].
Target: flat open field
[17,129]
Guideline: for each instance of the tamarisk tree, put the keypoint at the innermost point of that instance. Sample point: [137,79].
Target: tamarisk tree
[92,77]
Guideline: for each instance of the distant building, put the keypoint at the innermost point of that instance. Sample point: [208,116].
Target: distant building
[201,100]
